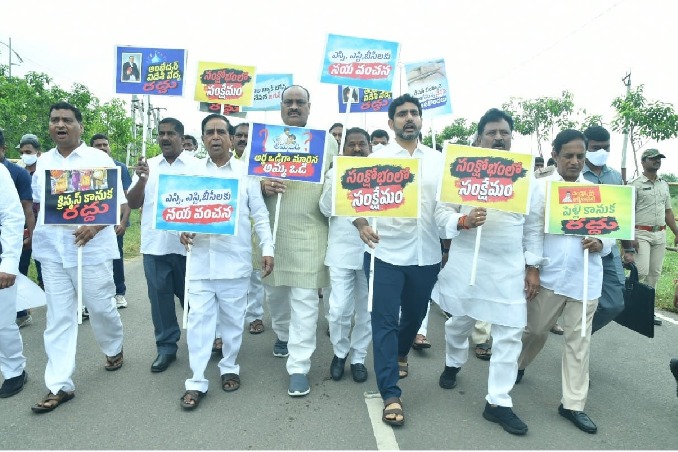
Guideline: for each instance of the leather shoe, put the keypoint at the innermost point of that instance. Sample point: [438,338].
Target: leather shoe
[14,385]
[359,372]
[578,418]
[520,375]
[162,362]
[337,368]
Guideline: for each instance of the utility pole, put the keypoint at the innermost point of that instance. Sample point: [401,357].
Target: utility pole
[627,83]
[134,108]
[21,60]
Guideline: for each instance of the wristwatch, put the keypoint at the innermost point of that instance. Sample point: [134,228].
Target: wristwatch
[533,266]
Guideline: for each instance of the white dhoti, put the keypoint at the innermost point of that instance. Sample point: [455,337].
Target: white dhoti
[349,297]
[61,333]
[222,299]
[496,297]
[506,348]
[12,359]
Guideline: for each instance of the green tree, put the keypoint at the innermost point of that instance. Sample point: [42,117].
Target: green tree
[459,132]
[24,108]
[670,177]
[539,116]
[643,120]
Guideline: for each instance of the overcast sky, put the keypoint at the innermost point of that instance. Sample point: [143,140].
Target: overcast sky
[493,50]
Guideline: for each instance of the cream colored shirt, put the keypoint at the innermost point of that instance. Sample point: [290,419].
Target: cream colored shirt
[652,201]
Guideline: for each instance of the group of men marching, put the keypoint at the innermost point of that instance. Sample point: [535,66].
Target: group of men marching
[526,279]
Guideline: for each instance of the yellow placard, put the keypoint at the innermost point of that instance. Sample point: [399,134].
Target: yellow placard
[486,177]
[376,187]
[225,83]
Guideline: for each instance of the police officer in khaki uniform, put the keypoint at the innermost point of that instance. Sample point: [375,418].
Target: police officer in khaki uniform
[653,215]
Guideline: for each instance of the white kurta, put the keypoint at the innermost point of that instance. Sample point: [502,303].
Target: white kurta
[497,296]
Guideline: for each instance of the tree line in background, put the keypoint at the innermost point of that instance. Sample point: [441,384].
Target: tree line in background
[544,117]
[24,106]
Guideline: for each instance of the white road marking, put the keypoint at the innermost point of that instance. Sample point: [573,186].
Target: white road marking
[667,319]
[382,432]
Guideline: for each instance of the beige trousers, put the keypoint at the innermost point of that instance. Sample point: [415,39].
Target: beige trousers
[542,313]
[481,332]
[650,257]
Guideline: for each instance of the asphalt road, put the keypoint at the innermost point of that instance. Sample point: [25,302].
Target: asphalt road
[632,398]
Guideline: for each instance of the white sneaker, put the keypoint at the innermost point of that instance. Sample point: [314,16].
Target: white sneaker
[120,301]
[24,321]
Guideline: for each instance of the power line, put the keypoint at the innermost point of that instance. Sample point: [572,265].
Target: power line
[557,42]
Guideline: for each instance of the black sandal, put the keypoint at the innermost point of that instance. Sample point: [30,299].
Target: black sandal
[191,399]
[230,382]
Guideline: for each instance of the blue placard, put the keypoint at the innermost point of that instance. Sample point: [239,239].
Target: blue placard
[293,153]
[359,62]
[364,100]
[145,70]
[200,204]
[427,81]
[268,90]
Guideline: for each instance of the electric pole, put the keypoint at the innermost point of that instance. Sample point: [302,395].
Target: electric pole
[21,60]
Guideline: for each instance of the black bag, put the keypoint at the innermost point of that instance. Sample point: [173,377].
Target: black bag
[638,313]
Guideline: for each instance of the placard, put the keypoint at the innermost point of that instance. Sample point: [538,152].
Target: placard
[359,62]
[590,210]
[149,70]
[285,152]
[85,196]
[486,177]
[376,187]
[199,204]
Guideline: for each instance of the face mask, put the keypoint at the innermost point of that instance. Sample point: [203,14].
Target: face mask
[597,158]
[29,159]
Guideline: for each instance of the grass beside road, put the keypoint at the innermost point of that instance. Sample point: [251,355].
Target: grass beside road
[665,286]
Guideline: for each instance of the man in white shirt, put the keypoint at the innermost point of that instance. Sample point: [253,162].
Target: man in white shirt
[560,291]
[12,360]
[497,296]
[344,258]
[218,283]
[56,247]
[164,256]
[407,259]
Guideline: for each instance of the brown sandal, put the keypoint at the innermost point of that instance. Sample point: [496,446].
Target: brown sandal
[230,382]
[256,327]
[191,399]
[217,345]
[420,342]
[114,362]
[394,412]
[51,401]
[403,367]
